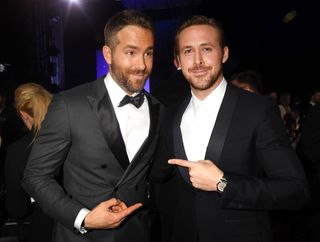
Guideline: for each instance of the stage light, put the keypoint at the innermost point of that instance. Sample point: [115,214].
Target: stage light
[2,68]
[74,1]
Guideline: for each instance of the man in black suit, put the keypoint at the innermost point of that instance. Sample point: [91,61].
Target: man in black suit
[100,146]
[227,150]
[308,150]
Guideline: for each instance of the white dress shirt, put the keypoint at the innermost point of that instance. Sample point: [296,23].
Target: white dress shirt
[198,121]
[134,125]
[134,122]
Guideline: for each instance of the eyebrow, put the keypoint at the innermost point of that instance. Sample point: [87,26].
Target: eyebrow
[202,44]
[136,47]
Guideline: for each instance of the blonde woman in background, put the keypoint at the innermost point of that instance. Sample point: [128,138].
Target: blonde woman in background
[31,103]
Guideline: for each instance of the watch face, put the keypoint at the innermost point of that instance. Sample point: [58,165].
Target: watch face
[221,186]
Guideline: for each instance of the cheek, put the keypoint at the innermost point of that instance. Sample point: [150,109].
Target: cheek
[149,64]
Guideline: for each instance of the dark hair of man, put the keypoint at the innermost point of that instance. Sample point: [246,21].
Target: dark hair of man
[314,91]
[250,77]
[199,20]
[122,19]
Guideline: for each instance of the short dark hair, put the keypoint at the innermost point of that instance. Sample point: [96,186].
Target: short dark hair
[199,20]
[250,77]
[122,19]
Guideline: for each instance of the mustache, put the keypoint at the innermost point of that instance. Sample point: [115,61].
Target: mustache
[199,68]
[138,72]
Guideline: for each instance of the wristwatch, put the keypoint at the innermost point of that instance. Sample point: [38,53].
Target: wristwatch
[221,185]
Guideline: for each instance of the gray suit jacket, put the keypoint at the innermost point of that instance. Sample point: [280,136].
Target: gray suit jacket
[80,142]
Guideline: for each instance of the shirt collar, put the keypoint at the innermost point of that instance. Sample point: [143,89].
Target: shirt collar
[116,93]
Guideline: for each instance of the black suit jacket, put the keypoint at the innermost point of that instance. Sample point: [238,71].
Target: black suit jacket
[250,145]
[18,203]
[80,136]
[309,151]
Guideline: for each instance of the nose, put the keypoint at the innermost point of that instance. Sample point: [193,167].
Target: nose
[141,63]
[198,58]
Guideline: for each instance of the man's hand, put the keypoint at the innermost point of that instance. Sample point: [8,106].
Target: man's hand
[204,174]
[109,214]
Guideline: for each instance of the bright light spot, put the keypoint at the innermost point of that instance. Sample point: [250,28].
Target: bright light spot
[74,1]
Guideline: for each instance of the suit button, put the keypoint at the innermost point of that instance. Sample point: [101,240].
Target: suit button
[104,166]
[115,189]
[136,187]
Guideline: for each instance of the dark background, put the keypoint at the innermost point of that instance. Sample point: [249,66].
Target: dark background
[285,54]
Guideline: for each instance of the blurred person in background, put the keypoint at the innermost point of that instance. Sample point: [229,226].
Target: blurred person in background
[31,103]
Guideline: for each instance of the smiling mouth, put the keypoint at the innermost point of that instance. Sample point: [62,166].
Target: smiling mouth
[200,72]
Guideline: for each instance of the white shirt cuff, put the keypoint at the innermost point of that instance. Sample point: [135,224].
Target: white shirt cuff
[80,217]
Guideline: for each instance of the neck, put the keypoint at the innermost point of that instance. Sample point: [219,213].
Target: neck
[202,94]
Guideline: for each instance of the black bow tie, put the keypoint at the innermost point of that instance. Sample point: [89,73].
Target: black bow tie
[136,100]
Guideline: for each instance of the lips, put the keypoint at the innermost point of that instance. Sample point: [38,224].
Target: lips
[199,71]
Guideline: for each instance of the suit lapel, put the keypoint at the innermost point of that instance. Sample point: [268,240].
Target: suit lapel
[101,105]
[178,142]
[143,156]
[222,124]
[218,136]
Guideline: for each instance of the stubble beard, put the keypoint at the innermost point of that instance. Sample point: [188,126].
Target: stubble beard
[121,76]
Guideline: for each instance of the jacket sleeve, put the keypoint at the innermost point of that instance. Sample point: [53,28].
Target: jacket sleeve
[281,183]
[44,169]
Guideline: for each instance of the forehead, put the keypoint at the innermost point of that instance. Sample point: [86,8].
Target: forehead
[135,35]
[198,34]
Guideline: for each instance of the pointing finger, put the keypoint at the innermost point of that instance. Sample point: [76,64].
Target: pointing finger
[180,162]
[124,213]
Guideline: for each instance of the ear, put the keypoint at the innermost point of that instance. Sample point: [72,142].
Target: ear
[27,119]
[225,54]
[106,51]
[176,62]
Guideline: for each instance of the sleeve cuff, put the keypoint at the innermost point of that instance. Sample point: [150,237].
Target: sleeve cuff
[80,217]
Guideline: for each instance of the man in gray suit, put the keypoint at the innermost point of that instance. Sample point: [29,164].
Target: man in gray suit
[100,138]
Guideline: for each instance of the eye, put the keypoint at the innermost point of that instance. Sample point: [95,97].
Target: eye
[187,51]
[207,49]
[130,53]
[148,54]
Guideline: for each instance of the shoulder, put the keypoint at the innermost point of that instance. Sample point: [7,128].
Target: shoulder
[83,89]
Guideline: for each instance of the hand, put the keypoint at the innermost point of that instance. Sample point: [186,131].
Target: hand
[109,214]
[204,174]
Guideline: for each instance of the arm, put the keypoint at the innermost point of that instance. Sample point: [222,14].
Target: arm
[282,185]
[45,164]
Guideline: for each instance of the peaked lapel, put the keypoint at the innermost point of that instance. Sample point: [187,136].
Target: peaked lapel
[222,125]
[179,150]
[139,160]
[101,105]
[219,133]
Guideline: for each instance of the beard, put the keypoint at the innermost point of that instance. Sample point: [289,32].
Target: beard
[203,83]
[122,77]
